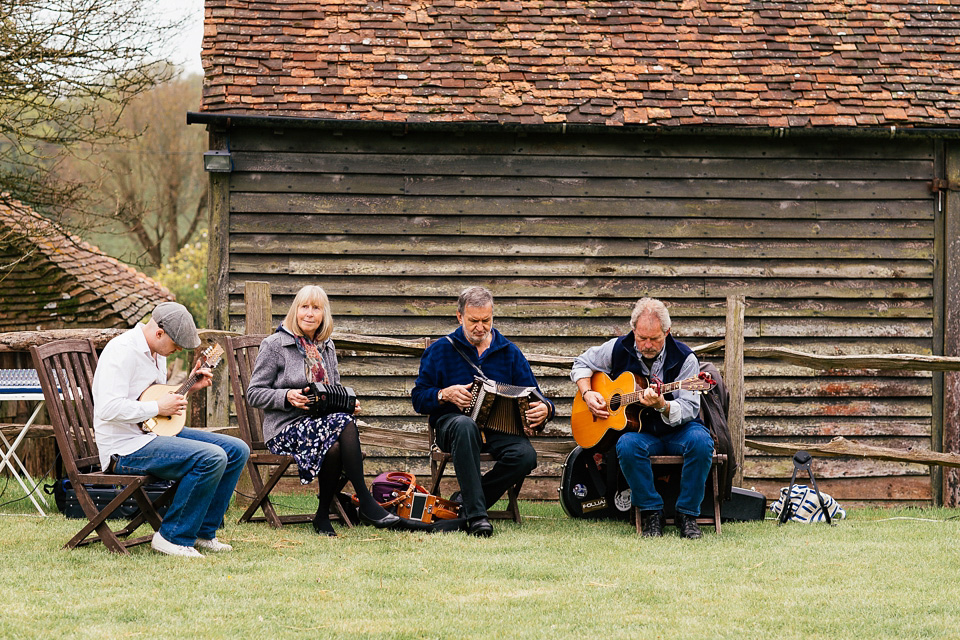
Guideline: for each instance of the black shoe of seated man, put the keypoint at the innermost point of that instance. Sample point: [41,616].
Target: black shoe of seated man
[688,526]
[388,521]
[651,524]
[480,527]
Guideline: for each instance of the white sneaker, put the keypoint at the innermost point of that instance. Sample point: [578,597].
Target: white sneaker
[212,545]
[167,548]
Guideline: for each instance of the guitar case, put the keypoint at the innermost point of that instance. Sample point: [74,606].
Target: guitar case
[593,487]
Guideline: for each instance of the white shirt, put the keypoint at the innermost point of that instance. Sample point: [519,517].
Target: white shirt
[124,371]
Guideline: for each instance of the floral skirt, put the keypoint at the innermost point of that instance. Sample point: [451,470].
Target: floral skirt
[308,440]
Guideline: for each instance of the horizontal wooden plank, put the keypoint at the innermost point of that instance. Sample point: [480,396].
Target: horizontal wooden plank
[570,346]
[595,287]
[606,227]
[615,141]
[831,426]
[257,242]
[578,166]
[674,205]
[760,374]
[782,466]
[887,407]
[837,387]
[899,489]
[573,309]
[894,443]
[375,407]
[755,189]
[868,329]
[323,263]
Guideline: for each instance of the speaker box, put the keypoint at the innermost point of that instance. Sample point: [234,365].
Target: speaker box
[744,505]
[67,503]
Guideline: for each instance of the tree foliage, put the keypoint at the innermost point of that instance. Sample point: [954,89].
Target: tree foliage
[185,274]
[148,187]
[68,68]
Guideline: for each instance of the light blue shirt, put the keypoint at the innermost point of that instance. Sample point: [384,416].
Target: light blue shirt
[684,406]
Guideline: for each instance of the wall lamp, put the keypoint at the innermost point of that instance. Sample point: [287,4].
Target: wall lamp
[217,161]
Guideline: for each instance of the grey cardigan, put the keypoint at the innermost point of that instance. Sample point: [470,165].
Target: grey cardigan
[279,368]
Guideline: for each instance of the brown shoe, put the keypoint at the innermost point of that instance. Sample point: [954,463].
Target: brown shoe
[688,526]
[651,524]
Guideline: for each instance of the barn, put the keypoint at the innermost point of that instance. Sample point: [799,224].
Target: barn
[573,156]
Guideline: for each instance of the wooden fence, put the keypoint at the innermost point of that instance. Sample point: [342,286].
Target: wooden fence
[215,408]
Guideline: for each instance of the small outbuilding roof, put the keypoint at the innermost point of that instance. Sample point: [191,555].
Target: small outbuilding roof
[51,279]
[835,63]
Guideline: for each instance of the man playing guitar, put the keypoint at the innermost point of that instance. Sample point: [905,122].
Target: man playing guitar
[668,425]
[206,465]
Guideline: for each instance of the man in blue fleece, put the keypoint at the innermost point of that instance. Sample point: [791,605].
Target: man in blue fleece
[442,391]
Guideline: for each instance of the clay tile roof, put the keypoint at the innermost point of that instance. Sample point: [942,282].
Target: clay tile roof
[51,278]
[653,62]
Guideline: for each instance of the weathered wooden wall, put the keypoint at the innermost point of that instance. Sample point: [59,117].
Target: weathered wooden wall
[831,241]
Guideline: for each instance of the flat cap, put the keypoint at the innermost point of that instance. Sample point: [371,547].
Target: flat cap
[177,322]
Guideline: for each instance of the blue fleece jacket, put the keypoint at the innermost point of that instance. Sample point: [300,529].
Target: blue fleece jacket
[441,366]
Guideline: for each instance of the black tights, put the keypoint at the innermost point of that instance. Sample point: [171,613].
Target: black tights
[345,457]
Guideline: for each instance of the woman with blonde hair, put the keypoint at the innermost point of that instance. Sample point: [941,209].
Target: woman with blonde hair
[301,352]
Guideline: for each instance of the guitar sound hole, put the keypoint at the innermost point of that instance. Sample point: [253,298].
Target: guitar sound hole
[615,400]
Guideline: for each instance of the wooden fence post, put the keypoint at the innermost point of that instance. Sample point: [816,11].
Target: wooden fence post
[733,377]
[259,307]
[951,339]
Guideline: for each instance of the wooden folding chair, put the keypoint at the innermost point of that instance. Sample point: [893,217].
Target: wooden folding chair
[66,370]
[241,357]
[713,487]
[438,464]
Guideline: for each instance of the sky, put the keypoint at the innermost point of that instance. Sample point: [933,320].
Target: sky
[185,49]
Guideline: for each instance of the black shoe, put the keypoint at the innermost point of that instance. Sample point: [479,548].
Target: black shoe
[323,527]
[688,526]
[389,521]
[414,525]
[449,526]
[480,527]
[651,524]
[456,497]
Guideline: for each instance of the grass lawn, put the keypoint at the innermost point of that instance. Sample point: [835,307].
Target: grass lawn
[879,574]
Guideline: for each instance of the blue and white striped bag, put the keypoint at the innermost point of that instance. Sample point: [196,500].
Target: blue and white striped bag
[805,506]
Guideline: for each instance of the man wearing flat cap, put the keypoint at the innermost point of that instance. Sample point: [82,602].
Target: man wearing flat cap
[205,465]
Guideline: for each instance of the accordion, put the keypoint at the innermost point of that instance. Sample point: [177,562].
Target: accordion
[324,399]
[501,407]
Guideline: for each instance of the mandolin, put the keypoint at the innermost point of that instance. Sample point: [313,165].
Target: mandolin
[171,425]
[590,431]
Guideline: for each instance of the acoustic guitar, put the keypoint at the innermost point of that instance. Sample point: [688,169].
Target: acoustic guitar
[171,425]
[590,431]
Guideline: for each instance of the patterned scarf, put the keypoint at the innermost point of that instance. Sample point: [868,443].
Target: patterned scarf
[316,372]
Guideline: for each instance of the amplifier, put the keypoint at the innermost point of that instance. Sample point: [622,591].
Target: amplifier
[743,505]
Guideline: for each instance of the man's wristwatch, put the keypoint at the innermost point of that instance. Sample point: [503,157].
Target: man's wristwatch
[440,395]
[666,408]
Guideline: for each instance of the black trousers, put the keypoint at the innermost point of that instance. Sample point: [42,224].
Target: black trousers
[515,458]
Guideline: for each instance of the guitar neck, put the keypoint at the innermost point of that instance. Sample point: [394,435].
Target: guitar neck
[630,398]
[185,387]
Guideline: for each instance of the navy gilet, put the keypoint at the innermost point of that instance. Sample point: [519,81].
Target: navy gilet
[625,358]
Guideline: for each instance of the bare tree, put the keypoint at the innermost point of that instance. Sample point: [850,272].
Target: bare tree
[149,186]
[68,68]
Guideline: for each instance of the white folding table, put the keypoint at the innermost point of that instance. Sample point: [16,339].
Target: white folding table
[20,385]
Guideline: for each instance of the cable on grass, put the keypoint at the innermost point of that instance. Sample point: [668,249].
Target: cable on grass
[49,472]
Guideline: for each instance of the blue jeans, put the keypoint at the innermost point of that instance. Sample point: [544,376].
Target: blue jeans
[692,441]
[207,466]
